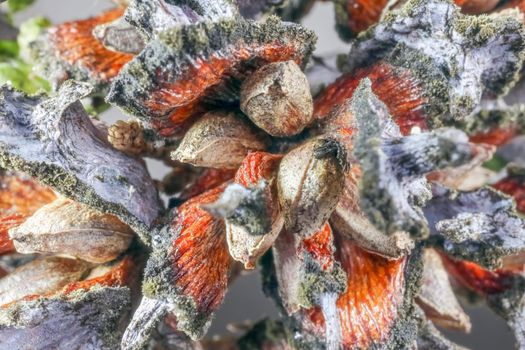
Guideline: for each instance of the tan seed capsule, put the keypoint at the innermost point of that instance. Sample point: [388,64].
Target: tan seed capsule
[71,228]
[310,181]
[40,276]
[220,139]
[277,99]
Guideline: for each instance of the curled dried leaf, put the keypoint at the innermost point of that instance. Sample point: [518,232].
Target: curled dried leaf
[219,139]
[86,319]
[74,229]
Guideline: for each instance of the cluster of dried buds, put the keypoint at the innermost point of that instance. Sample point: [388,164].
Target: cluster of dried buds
[368,201]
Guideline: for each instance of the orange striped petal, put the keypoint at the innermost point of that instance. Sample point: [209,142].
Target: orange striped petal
[189,268]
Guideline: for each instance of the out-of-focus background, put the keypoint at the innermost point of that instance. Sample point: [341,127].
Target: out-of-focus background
[245,299]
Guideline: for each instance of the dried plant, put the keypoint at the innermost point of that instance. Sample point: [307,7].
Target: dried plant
[370,194]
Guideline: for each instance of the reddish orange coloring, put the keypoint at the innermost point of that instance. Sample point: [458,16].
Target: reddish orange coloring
[396,87]
[257,166]
[369,307]
[75,44]
[476,278]
[200,257]
[496,137]
[514,187]
[320,247]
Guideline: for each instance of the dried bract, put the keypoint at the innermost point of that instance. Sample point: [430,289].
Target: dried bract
[71,51]
[277,99]
[464,58]
[177,77]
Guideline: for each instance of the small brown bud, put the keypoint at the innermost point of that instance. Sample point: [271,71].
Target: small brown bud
[277,99]
[310,181]
[126,136]
[220,139]
[71,228]
[41,276]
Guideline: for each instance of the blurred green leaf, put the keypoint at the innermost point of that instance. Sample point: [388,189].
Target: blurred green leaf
[9,48]
[18,5]
[29,32]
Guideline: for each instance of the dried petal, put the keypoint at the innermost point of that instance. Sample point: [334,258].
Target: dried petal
[480,226]
[463,58]
[71,228]
[71,51]
[19,198]
[187,272]
[219,139]
[429,338]
[277,99]
[437,298]
[40,276]
[171,80]
[77,161]
[310,181]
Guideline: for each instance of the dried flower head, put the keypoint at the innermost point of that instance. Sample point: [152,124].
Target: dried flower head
[367,203]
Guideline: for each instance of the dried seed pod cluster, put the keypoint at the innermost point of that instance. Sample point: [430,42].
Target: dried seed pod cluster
[367,203]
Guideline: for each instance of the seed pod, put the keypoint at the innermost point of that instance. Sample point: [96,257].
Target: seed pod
[219,139]
[310,181]
[41,276]
[71,228]
[277,99]
[119,36]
